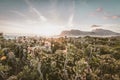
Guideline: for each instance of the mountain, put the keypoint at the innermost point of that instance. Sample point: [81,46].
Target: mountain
[95,32]
[104,32]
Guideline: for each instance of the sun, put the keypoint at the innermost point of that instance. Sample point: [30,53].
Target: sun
[46,29]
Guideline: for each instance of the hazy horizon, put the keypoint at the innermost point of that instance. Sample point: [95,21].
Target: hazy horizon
[51,17]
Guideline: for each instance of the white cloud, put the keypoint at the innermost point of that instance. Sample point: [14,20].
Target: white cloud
[70,20]
[41,17]
[71,17]
[35,11]
[18,13]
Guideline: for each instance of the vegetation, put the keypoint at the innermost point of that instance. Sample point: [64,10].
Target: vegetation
[83,58]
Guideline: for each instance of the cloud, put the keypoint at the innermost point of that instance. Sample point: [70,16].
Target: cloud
[95,26]
[111,17]
[92,14]
[71,17]
[35,11]
[18,13]
[101,13]
[70,20]
[100,9]
[115,17]
[97,12]
[41,17]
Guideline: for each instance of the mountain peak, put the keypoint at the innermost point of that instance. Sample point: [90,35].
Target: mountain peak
[95,32]
[99,29]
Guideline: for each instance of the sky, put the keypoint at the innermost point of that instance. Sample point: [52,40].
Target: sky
[50,17]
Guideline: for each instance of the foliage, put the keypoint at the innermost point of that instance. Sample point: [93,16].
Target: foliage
[88,58]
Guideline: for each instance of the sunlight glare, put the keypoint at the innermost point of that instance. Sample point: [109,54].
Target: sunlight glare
[46,29]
